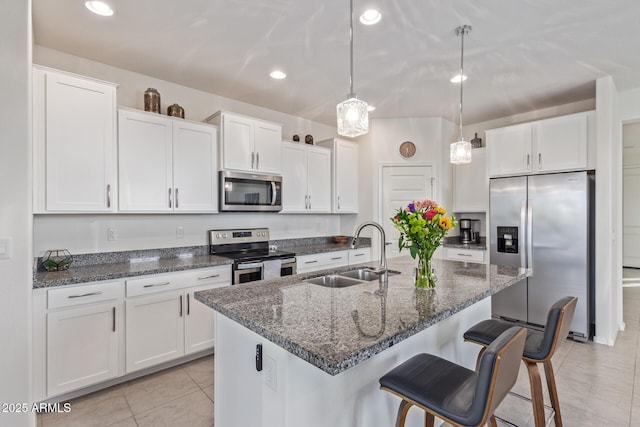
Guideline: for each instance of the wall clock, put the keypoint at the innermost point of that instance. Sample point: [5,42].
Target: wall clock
[407,149]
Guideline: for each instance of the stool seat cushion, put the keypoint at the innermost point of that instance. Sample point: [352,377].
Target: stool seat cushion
[435,383]
[485,332]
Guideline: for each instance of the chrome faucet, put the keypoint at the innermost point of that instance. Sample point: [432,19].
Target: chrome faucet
[382,270]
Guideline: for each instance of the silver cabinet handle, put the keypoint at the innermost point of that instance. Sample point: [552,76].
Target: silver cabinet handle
[213,276]
[108,195]
[90,294]
[114,319]
[153,285]
[336,258]
[459,254]
[252,159]
[176,198]
[539,161]
[309,201]
[306,201]
[169,198]
[528,162]
[188,305]
[180,305]
[358,254]
[311,262]
[258,160]
[338,202]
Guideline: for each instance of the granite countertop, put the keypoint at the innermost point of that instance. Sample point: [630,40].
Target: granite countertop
[454,242]
[337,328]
[118,270]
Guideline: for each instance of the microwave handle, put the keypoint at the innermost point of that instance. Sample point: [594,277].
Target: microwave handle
[273,193]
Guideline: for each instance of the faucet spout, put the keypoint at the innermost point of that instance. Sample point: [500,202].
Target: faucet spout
[382,269]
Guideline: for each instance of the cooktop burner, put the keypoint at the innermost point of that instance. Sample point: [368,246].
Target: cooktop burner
[257,255]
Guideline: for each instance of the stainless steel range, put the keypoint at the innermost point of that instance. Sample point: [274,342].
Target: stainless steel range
[249,249]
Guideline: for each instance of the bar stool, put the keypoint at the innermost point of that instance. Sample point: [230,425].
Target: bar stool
[539,348]
[452,392]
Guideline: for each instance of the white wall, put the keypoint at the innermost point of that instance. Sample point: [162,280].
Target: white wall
[88,233]
[15,209]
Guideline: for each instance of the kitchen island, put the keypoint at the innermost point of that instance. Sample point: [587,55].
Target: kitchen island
[324,349]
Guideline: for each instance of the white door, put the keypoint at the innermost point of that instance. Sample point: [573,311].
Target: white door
[268,148]
[509,150]
[237,142]
[194,167]
[294,178]
[561,143]
[319,179]
[631,220]
[198,322]
[400,186]
[346,176]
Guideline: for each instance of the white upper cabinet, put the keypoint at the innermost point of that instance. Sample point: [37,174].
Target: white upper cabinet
[248,144]
[306,176]
[74,133]
[552,145]
[344,175]
[471,187]
[166,164]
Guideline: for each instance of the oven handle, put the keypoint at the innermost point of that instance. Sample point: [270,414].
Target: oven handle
[273,193]
[249,265]
[288,261]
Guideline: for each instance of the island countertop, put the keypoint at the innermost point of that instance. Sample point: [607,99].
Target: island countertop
[335,329]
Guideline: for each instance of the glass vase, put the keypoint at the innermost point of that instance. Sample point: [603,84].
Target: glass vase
[425,277]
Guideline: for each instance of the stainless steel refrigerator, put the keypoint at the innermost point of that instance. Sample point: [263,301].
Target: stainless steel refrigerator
[545,222]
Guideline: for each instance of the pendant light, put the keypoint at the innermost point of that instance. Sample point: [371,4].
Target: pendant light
[460,151]
[353,117]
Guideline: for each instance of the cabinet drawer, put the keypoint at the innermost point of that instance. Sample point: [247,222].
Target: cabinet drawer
[307,263]
[465,255]
[207,276]
[85,294]
[359,255]
[153,284]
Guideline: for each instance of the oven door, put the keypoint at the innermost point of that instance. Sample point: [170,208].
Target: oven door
[250,192]
[252,271]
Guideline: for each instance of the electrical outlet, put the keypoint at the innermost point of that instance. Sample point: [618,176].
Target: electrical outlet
[270,373]
[112,234]
[179,232]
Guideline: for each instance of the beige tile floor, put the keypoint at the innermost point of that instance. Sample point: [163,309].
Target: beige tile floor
[596,387]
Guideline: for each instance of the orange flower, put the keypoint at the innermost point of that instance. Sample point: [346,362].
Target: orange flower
[445,222]
[440,210]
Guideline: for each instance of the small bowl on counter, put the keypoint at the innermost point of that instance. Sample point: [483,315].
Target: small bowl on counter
[339,239]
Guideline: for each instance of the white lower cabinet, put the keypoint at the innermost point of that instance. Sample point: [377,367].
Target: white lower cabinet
[84,327]
[164,321]
[322,261]
[469,255]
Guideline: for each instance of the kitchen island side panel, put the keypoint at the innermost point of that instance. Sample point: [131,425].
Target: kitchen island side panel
[291,392]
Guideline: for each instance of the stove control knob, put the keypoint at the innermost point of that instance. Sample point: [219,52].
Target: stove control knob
[224,235]
[217,235]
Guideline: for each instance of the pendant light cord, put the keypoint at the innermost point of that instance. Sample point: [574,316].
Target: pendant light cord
[461,31]
[351,94]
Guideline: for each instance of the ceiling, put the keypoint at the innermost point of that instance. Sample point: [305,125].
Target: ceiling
[520,56]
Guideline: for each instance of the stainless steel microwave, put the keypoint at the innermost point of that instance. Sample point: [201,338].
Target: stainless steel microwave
[250,192]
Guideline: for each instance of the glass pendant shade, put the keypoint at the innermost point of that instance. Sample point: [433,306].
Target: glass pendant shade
[460,152]
[353,118]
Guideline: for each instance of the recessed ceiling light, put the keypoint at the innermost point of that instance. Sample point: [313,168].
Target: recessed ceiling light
[278,75]
[457,79]
[370,17]
[370,108]
[99,7]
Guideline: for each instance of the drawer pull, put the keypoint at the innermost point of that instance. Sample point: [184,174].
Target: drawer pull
[213,276]
[358,255]
[180,305]
[336,258]
[153,285]
[188,305]
[311,262]
[465,254]
[114,319]
[90,294]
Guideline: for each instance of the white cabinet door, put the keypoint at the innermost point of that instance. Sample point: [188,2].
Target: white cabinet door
[145,162]
[198,321]
[509,150]
[318,179]
[82,346]
[560,143]
[346,177]
[194,167]
[75,145]
[471,187]
[154,330]
[237,140]
[294,178]
[268,148]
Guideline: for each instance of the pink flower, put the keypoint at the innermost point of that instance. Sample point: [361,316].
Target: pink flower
[426,203]
[428,215]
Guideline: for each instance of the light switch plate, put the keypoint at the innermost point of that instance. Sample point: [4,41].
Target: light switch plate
[5,248]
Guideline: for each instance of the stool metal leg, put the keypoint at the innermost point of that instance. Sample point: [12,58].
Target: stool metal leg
[403,409]
[537,399]
[493,421]
[553,392]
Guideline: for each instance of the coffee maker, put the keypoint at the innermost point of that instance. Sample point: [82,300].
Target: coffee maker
[469,230]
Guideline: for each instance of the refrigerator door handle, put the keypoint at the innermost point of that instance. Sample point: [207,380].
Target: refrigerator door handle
[523,221]
[529,234]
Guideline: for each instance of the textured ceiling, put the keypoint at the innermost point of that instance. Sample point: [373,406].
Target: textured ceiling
[520,56]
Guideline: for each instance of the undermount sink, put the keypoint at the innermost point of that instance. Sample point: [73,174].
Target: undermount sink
[333,281]
[365,274]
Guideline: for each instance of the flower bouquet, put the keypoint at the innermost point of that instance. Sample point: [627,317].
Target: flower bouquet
[422,226]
